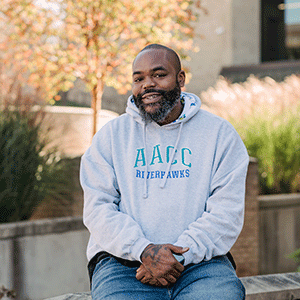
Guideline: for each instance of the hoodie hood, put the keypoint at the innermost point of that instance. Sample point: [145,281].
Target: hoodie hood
[191,102]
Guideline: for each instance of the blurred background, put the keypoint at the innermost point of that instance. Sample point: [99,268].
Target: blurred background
[65,70]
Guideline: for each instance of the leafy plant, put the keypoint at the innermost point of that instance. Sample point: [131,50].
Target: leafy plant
[296,257]
[29,172]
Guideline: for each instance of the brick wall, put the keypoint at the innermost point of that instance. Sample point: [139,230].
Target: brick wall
[245,250]
[279,232]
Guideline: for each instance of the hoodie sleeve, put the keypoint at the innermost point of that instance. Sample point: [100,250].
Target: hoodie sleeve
[215,232]
[115,232]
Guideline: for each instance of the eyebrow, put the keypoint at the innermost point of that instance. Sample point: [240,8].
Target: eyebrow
[159,68]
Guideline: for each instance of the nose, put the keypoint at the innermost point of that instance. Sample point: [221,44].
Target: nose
[148,83]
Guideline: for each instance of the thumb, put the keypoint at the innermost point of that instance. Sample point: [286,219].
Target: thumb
[178,249]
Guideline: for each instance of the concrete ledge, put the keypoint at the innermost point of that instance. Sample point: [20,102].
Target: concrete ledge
[77,296]
[275,287]
[40,227]
[279,201]
[102,113]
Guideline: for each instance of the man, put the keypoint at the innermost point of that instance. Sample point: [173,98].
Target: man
[164,192]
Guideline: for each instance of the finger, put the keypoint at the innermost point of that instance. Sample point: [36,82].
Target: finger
[178,267]
[171,279]
[146,279]
[175,273]
[139,276]
[154,282]
[178,249]
[141,269]
[163,281]
[185,249]
[140,273]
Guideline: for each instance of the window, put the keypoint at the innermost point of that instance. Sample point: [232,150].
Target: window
[280,30]
[291,10]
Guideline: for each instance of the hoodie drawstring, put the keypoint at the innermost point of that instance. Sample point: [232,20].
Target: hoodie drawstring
[145,194]
[163,183]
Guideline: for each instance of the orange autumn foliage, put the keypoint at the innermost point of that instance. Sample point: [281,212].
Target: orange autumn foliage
[50,43]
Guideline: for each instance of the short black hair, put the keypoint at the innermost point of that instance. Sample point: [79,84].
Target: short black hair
[170,51]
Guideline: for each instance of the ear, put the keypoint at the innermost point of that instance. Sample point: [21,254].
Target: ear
[181,78]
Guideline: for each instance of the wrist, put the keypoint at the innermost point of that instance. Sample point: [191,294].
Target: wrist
[144,251]
[137,248]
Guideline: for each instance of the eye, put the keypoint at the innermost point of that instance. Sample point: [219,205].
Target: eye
[159,75]
[137,79]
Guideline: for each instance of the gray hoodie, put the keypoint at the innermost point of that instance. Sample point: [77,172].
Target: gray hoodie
[182,183]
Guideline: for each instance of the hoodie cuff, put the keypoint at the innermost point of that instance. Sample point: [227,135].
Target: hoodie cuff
[138,247]
[189,256]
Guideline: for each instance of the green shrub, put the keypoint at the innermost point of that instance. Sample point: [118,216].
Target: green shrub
[275,142]
[29,172]
[296,257]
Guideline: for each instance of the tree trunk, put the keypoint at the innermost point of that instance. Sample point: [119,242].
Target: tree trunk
[94,108]
[97,93]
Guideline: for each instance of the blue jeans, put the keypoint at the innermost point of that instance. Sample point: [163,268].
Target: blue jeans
[209,280]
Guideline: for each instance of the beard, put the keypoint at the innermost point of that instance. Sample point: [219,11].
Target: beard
[167,102]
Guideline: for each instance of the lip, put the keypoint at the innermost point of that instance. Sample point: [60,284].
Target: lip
[150,98]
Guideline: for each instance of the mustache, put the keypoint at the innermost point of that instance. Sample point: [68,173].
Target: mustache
[151,91]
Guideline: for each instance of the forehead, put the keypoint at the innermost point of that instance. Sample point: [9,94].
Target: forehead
[148,60]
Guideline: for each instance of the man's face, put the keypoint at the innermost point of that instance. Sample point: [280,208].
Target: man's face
[156,85]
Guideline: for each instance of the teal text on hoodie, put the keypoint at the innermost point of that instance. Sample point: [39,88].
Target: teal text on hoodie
[182,183]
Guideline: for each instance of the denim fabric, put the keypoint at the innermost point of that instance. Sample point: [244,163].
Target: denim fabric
[210,280]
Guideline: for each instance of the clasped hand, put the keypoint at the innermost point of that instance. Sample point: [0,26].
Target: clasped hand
[159,266]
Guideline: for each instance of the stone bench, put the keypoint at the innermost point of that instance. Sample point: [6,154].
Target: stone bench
[276,287]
